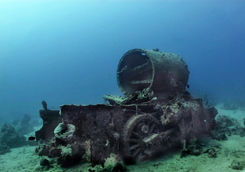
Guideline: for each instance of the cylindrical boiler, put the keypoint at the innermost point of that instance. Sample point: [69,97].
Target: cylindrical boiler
[161,72]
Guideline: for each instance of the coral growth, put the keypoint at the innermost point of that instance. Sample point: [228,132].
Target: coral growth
[10,138]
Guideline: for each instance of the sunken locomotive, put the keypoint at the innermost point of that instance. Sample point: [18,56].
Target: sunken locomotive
[155,114]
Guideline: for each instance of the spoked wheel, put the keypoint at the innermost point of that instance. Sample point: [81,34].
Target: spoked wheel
[138,133]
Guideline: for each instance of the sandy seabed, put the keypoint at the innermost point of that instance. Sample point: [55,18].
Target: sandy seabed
[24,159]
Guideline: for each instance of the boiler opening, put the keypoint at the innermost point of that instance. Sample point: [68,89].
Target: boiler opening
[135,72]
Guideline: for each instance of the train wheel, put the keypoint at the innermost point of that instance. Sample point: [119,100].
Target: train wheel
[138,130]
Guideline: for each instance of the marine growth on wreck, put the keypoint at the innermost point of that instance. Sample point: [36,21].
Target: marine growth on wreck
[155,114]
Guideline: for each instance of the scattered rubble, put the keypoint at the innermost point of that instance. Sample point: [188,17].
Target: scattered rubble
[197,147]
[227,126]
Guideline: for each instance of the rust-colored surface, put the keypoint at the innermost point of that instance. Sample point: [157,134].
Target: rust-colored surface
[135,127]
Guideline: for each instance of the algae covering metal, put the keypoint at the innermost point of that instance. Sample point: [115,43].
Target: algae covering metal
[157,113]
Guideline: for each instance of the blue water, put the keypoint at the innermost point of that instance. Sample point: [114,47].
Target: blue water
[66,52]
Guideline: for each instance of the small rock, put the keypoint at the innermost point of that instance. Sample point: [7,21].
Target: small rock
[218,135]
[194,148]
[236,165]
[242,133]
[44,162]
[4,149]
[212,153]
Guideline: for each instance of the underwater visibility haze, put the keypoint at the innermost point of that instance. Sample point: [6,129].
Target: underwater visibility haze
[68,52]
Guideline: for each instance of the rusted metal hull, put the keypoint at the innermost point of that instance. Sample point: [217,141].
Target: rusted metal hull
[133,132]
[151,118]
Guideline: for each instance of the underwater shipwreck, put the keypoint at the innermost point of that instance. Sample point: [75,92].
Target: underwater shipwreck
[155,114]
